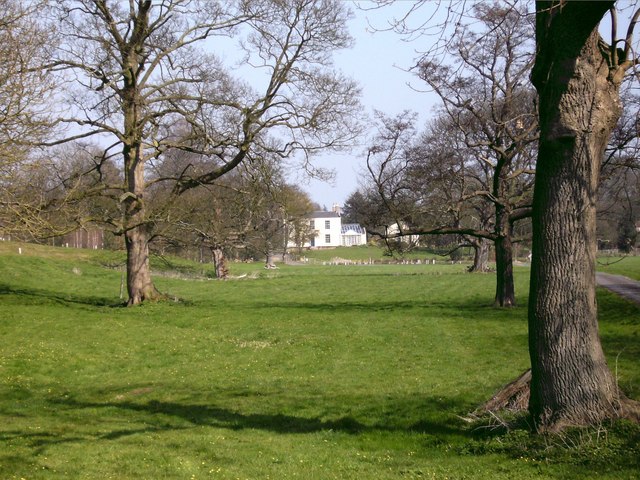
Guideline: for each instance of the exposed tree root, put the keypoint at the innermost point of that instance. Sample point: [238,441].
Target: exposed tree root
[630,409]
[514,398]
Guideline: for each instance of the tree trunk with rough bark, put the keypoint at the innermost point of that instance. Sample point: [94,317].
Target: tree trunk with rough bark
[135,223]
[139,284]
[505,289]
[269,262]
[140,287]
[579,106]
[219,263]
[480,255]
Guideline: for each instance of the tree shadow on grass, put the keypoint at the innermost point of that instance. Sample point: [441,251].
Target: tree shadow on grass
[472,308]
[35,296]
[166,416]
[37,441]
[332,306]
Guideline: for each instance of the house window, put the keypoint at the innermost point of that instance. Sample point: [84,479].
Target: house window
[350,240]
[312,224]
[327,224]
[327,238]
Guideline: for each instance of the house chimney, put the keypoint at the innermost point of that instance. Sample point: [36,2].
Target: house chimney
[336,209]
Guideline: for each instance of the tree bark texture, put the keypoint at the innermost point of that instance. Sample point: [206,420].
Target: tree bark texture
[219,263]
[137,235]
[139,284]
[480,255]
[140,287]
[505,290]
[579,106]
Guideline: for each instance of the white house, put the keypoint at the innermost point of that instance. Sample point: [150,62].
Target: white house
[395,230]
[328,228]
[330,232]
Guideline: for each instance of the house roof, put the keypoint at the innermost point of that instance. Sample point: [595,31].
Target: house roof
[321,214]
[352,227]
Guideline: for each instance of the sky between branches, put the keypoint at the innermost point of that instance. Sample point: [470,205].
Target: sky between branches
[378,62]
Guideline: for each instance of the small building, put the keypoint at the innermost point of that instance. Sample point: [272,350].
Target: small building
[398,229]
[353,234]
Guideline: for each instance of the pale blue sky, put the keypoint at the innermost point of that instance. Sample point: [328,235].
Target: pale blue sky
[376,62]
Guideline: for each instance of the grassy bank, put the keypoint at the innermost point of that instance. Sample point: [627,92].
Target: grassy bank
[314,372]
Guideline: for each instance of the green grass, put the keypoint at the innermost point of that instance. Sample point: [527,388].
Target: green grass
[365,253]
[628,266]
[313,372]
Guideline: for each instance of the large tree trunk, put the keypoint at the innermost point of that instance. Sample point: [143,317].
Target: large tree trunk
[219,263]
[480,255]
[270,263]
[135,223]
[505,290]
[579,106]
[137,228]
[139,284]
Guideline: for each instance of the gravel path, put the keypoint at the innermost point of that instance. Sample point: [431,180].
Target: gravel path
[623,286]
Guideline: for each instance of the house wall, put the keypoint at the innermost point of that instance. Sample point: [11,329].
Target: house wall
[333,231]
[394,229]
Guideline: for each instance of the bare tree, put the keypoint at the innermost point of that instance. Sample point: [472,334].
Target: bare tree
[219,228]
[618,206]
[435,183]
[137,69]
[471,175]
[449,184]
[251,211]
[487,96]
[24,117]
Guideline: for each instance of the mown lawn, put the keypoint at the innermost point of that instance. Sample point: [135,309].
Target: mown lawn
[628,266]
[345,372]
[371,253]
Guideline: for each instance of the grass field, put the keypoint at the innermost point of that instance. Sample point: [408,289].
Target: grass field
[366,253]
[628,266]
[311,372]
